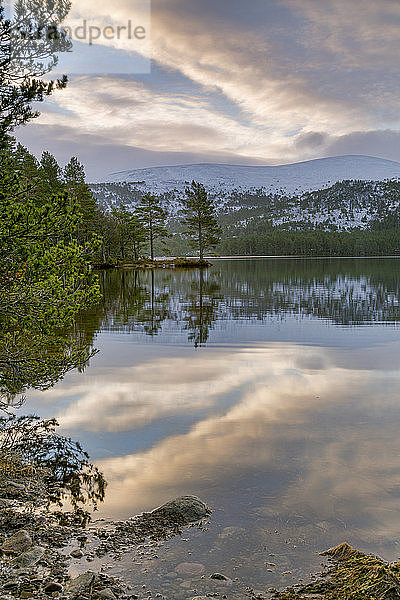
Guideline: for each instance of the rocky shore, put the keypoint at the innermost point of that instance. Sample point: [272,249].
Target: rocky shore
[41,550]
[36,550]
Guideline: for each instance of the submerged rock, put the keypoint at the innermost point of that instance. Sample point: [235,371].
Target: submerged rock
[81,583]
[190,569]
[17,543]
[188,509]
[29,558]
[162,523]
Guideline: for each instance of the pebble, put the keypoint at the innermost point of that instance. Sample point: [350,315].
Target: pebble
[53,586]
[106,594]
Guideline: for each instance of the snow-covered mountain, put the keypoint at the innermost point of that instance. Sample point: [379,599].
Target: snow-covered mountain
[290,179]
[332,194]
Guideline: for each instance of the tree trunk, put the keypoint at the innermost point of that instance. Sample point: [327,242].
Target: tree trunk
[151,243]
[201,242]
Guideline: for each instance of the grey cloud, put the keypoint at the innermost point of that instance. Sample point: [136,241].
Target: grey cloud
[101,158]
[384,144]
[311,140]
[327,69]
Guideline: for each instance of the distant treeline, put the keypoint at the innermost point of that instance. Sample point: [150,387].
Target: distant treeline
[315,243]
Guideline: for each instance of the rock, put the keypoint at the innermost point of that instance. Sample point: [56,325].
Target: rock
[17,543]
[219,576]
[53,586]
[81,583]
[12,583]
[200,598]
[189,509]
[186,568]
[228,532]
[15,485]
[76,553]
[106,594]
[29,558]
[6,502]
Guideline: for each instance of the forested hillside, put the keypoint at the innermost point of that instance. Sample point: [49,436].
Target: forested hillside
[257,222]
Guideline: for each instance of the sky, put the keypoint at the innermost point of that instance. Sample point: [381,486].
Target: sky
[260,82]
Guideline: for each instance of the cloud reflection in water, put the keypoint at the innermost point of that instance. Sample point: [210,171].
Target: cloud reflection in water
[314,429]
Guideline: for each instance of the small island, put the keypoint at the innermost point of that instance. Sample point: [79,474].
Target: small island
[157,263]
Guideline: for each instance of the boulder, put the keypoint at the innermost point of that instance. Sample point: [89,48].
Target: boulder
[17,543]
[187,509]
[81,583]
[29,558]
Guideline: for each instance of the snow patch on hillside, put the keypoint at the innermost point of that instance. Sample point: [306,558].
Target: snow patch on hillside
[290,179]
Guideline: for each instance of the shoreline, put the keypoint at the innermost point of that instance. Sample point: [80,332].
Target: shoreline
[193,263]
[38,552]
[169,263]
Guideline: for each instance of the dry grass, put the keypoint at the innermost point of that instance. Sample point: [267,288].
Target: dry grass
[352,575]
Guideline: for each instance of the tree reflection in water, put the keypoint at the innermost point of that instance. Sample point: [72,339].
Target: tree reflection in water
[350,292]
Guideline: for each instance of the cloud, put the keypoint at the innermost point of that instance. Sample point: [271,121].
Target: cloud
[128,112]
[341,469]
[150,391]
[284,397]
[384,143]
[101,156]
[311,140]
[309,426]
[274,82]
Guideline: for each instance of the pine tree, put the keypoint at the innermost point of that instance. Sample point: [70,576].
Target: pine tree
[29,170]
[50,177]
[81,195]
[22,64]
[199,217]
[45,280]
[153,217]
[129,233]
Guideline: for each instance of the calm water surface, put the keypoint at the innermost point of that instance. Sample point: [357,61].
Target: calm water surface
[269,388]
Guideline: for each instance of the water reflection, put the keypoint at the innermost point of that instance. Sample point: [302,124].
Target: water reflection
[202,304]
[199,304]
[294,443]
[304,429]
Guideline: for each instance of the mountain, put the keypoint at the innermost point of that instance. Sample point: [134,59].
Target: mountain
[332,194]
[289,179]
